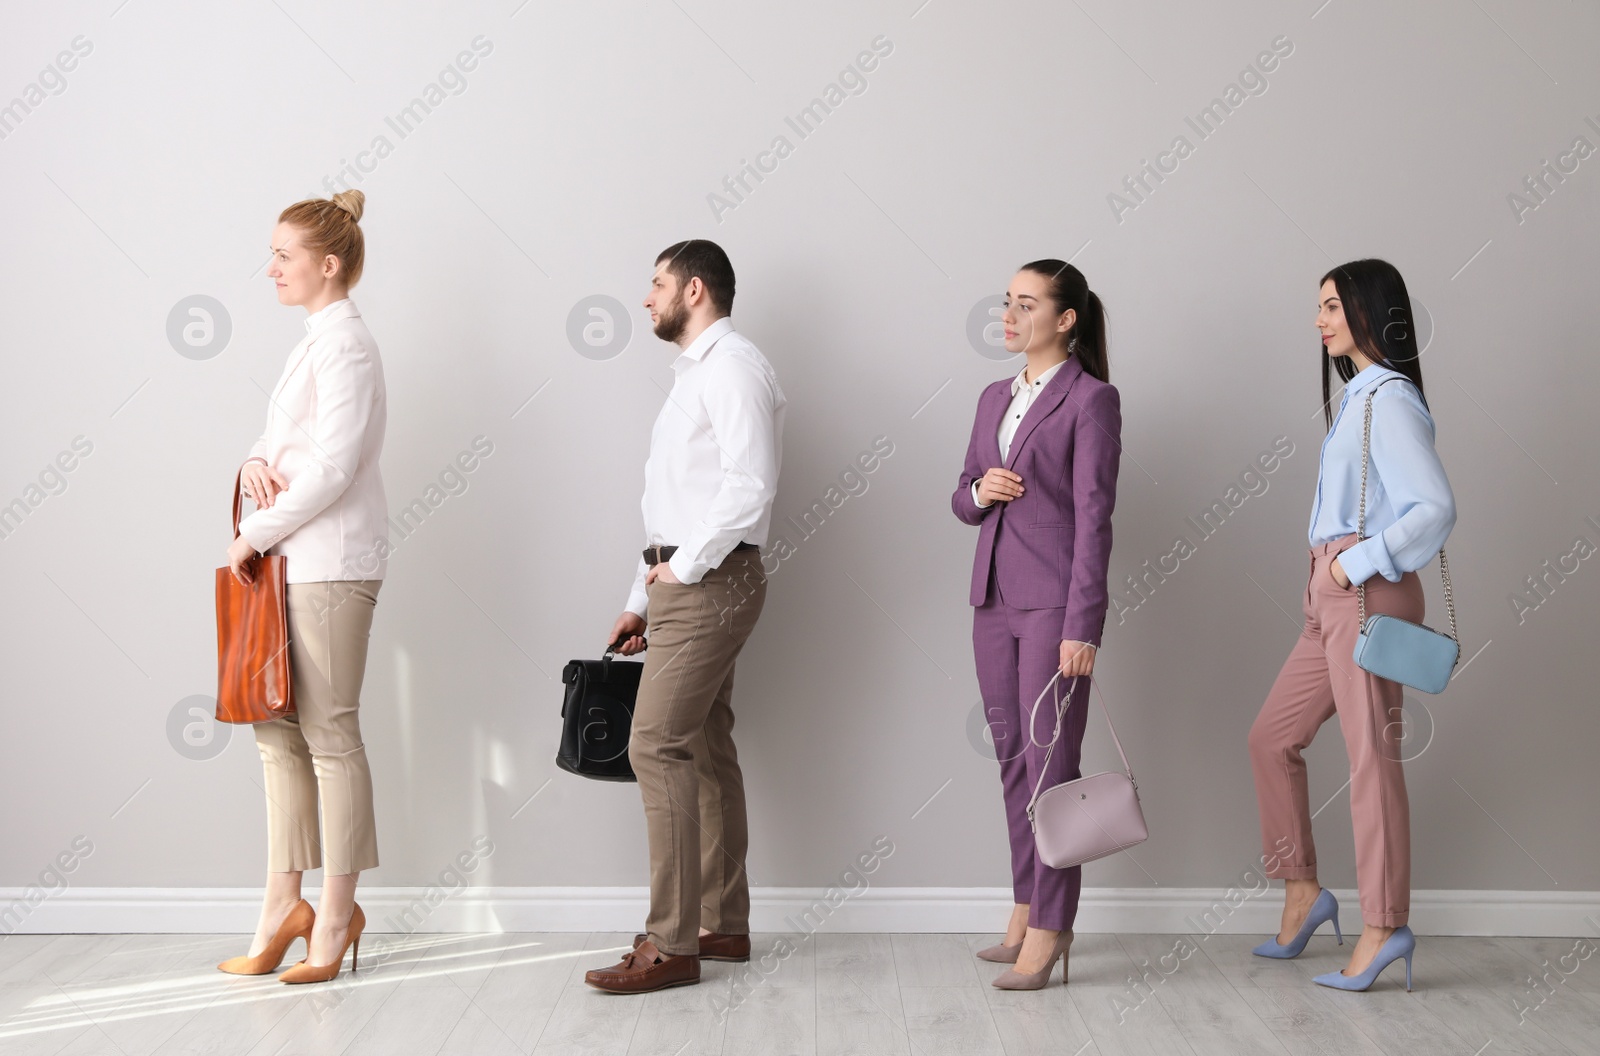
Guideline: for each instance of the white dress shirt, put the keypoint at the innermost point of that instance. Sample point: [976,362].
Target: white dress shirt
[325,423]
[714,456]
[1022,394]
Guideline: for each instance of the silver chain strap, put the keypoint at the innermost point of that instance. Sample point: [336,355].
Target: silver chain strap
[1361,533]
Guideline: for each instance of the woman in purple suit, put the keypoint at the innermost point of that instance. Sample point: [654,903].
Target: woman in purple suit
[1039,483]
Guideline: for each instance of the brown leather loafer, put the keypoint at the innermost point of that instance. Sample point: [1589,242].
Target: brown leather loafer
[715,947]
[644,969]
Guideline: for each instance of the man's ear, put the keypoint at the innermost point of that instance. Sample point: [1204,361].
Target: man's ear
[694,291]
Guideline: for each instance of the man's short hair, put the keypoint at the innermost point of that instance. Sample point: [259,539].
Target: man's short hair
[699,259]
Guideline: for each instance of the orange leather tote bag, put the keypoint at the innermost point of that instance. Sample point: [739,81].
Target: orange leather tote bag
[253,683]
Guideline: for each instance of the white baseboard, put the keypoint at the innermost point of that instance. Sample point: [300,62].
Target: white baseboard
[783,910]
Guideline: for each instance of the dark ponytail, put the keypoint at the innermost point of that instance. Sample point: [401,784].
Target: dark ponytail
[1069,289]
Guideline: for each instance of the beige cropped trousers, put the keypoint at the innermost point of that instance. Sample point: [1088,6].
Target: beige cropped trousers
[315,756]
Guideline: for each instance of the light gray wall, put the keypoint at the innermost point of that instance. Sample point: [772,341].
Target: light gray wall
[589,138]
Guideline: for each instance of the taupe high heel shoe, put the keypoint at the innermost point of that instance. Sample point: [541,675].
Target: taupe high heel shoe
[1000,954]
[321,973]
[297,925]
[1015,980]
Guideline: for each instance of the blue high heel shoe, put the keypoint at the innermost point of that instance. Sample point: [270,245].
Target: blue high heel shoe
[1324,909]
[1401,944]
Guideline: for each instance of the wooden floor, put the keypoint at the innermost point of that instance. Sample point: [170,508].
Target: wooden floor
[505,995]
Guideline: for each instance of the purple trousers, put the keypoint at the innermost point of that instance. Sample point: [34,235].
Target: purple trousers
[1017,650]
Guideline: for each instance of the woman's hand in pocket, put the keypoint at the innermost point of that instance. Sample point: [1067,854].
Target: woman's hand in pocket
[1338,574]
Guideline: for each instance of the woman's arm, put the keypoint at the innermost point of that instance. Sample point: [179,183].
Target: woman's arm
[1097,454]
[964,502]
[1413,477]
[346,380]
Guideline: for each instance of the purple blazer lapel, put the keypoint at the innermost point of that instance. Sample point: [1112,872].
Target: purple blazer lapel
[989,415]
[1044,406]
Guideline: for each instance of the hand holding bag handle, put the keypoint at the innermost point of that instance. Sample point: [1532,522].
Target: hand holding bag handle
[1405,652]
[253,679]
[1087,818]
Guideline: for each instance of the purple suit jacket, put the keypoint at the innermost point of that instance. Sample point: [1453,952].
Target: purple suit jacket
[1051,547]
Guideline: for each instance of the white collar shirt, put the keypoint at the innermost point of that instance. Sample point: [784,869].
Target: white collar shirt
[715,451]
[1023,393]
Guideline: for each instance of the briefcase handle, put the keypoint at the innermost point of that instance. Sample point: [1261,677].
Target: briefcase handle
[605,658]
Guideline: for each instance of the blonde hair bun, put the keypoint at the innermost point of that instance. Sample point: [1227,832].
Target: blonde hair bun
[325,232]
[352,202]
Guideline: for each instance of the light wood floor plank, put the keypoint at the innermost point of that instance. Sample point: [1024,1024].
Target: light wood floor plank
[1127,1020]
[837,995]
[866,959]
[589,1022]
[476,1034]
[324,1021]
[1034,1021]
[528,978]
[1477,1007]
[1397,1022]
[773,1021]
[857,1020]
[1231,954]
[418,1019]
[1306,1025]
[1576,959]
[15,948]
[1199,999]
[680,1021]
[922,961]
[949,1020]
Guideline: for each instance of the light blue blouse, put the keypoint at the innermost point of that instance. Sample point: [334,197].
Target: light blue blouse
[1410,508]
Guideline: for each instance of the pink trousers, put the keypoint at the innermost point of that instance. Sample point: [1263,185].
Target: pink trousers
[1319,680]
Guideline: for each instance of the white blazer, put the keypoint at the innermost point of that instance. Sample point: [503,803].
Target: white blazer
[325,422]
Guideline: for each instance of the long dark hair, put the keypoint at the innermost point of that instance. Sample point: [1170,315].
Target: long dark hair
[1378,309]
[1069,289]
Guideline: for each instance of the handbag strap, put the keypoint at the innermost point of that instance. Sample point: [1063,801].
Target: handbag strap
[237,481]
[1062,707]
[1361,523]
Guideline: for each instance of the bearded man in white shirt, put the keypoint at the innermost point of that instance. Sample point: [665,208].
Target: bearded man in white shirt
[709,485]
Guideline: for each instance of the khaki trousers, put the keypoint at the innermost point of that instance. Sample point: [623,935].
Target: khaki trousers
[316,754]
[1318,680]
[681,747]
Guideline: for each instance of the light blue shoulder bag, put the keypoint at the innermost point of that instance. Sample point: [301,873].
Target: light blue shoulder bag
[1392,648]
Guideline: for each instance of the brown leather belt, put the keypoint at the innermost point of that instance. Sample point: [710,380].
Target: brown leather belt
[654,555]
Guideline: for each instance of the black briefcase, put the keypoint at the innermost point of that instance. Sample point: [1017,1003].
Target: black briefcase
[597,717]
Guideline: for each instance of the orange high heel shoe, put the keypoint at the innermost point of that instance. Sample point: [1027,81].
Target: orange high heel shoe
[297,925]
[321,973]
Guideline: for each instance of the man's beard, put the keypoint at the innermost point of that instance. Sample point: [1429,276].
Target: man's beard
[672,320]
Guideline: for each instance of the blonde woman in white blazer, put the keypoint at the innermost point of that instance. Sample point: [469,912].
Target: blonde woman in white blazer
[314,479]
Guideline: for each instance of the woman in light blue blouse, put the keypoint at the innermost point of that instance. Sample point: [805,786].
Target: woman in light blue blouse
[1364,315]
